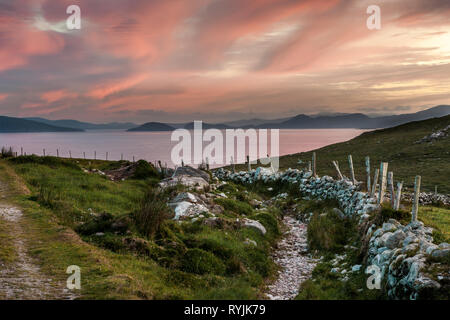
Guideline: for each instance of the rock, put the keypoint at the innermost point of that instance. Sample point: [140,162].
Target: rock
[389,227]
[254,224]
[441,253]
[395,240]
[339,213]
[250,242]
[356,268]
[100,234]
[185,196]
[187,209]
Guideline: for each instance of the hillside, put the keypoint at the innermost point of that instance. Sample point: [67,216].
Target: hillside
[9,124]
[395,145]
[152,127]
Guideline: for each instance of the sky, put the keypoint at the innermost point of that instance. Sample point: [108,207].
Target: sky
[221,60]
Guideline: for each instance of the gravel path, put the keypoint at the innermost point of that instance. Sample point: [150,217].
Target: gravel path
[295,263]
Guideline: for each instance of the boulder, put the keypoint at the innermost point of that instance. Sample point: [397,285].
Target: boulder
[254,224]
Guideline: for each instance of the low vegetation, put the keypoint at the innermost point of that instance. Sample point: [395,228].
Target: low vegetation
[122,236]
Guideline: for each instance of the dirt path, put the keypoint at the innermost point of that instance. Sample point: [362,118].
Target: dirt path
[295,263]
[22,278]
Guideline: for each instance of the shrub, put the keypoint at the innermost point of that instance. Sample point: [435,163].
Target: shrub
[201,262]
[327,232]
[152,211]
[144,170]
[235,206]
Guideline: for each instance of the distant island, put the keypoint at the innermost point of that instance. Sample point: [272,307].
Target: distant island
[152,127]
[9,124]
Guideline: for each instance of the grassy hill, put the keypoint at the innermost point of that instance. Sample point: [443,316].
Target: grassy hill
[395,145]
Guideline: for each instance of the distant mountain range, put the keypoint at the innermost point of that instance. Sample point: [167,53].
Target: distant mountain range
[301,121]
[9,124]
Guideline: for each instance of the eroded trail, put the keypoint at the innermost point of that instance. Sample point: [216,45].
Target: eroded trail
[21,278]
[295,263]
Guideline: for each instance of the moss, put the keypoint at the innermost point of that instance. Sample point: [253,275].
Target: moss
[201,262]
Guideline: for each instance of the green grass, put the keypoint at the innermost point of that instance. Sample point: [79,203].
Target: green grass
[439,219]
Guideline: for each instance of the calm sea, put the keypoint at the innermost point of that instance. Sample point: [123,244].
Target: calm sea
[150,146]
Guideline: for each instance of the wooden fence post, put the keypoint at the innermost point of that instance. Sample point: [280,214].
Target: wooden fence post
[21,151]
[106,156]
[207,163]
[383,173]
[399,196]
[336,165]
[57,153]
[95,155]
[309,166]
[352,172]
[375,181]
[368,173]
[70,154]
[84,155]
[435,190]
[415,207]
[391,187]
[314,165]
[133,159]
[232,165]
[44,152]
[249,168]
[121,157]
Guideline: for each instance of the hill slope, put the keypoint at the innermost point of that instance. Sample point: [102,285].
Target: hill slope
[395,145]
[9,124]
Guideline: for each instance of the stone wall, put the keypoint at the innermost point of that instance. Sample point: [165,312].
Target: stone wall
[402,254]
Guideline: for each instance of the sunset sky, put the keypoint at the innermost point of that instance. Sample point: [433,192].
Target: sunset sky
[218,60]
